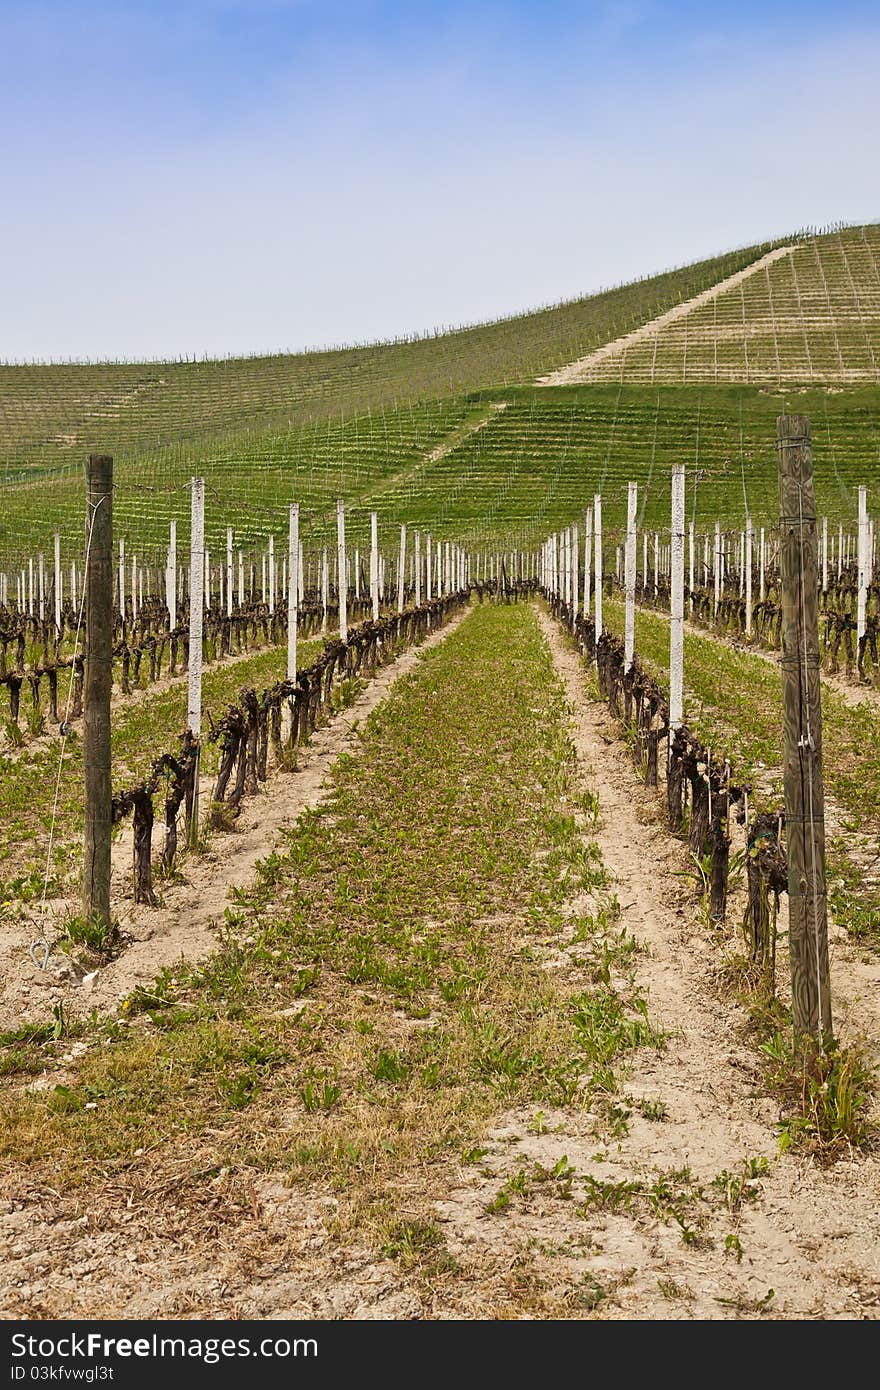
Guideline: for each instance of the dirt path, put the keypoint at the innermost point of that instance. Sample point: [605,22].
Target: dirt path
[811,1235]
[582,369]
[185,924]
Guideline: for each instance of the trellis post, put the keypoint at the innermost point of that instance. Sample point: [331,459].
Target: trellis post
[804,796]
[98,679]
[597,541]
[629,576]
[196,628]
[341,575]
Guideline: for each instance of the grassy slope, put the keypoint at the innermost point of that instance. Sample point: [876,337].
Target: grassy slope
[236,418]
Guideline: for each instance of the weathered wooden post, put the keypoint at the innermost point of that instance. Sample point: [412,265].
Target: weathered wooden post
[96,693]
[804,799]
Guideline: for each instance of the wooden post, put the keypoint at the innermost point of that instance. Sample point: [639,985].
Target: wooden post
[804,799]
[629,576]
[96,693]
[428,567]
[196,627]
[676,623]
[588,555]
[341,576]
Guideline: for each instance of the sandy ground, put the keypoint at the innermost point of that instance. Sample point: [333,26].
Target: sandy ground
[582,369]
[185,924]
[188,1243]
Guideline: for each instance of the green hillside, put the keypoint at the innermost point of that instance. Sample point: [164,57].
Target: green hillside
[810,315]
[454,434]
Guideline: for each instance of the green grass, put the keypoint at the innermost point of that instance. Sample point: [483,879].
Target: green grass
[379,998]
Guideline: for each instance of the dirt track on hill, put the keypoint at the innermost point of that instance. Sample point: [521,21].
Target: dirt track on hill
[580,371]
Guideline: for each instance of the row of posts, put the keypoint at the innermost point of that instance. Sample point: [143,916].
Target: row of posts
[799,564]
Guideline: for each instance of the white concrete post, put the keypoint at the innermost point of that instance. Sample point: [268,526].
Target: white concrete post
[863,556]
[676,623]
[196,620]
[57,584]
[629,576]
[748,577]
[401,569]
[597,540]
[341,573]
[374,564]
[325,588]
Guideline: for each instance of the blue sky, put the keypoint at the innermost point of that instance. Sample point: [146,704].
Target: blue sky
[215,176]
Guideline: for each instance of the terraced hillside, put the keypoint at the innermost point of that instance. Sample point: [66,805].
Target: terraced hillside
[48,411]
[453,435]
[808,312]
